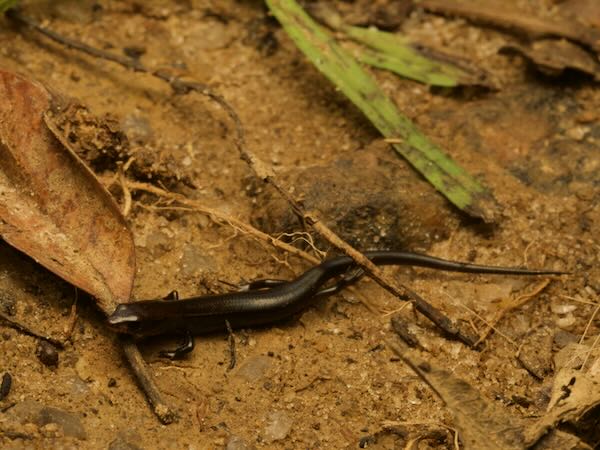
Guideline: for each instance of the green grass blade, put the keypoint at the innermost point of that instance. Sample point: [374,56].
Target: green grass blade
[347,74]
[5,5]
[425,73]
[394,53]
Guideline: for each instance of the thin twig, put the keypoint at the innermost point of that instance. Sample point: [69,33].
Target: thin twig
[179,85]
[146,380]
[126,194]
[231,340]
[394,423]
[589,352]
[578,300]
[491,325]
[70,327]
[216,214]
[29,332]
[219,216]
[587,327]
[514,304]
[589,323]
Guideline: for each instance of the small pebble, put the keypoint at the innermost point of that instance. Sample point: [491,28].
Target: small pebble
[567,322]
[563,338]
[8,303]
[577,133]
[254,368]
[236,443]
[279,425]
[5,385]
[32,412]
[563,309]
[121,444]
[69,422]
[137,128]
[50,430]
[47,354]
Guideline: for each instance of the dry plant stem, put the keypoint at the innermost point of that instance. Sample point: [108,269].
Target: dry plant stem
[587,327]
[72,319]
[146,380]
[231,342]
[589,323]
[515,20]
[480,317]
[516,303]
[178,85]
[398,290]
[215,214]
[23,329]
[126,194]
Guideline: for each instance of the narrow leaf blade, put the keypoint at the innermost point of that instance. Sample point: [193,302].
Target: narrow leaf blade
[390,52]
[346,73]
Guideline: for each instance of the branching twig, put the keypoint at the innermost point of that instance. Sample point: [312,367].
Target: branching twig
[237,224]
[215,214]
[179,85]
[126,194]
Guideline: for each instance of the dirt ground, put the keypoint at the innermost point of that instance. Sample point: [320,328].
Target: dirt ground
[324,379]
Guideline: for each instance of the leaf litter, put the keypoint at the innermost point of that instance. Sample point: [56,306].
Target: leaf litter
[561,386]
[484,425]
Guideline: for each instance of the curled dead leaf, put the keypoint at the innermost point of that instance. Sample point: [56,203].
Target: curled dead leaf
[52,207]
[554,56]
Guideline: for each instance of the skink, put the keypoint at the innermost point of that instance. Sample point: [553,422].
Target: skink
[206,314]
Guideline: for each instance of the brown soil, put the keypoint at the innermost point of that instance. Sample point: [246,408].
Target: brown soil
[327,372]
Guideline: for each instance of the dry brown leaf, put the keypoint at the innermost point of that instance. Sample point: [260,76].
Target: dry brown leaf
[554,56]
[482,425]
[502,15]
[576,389]
[51,205]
